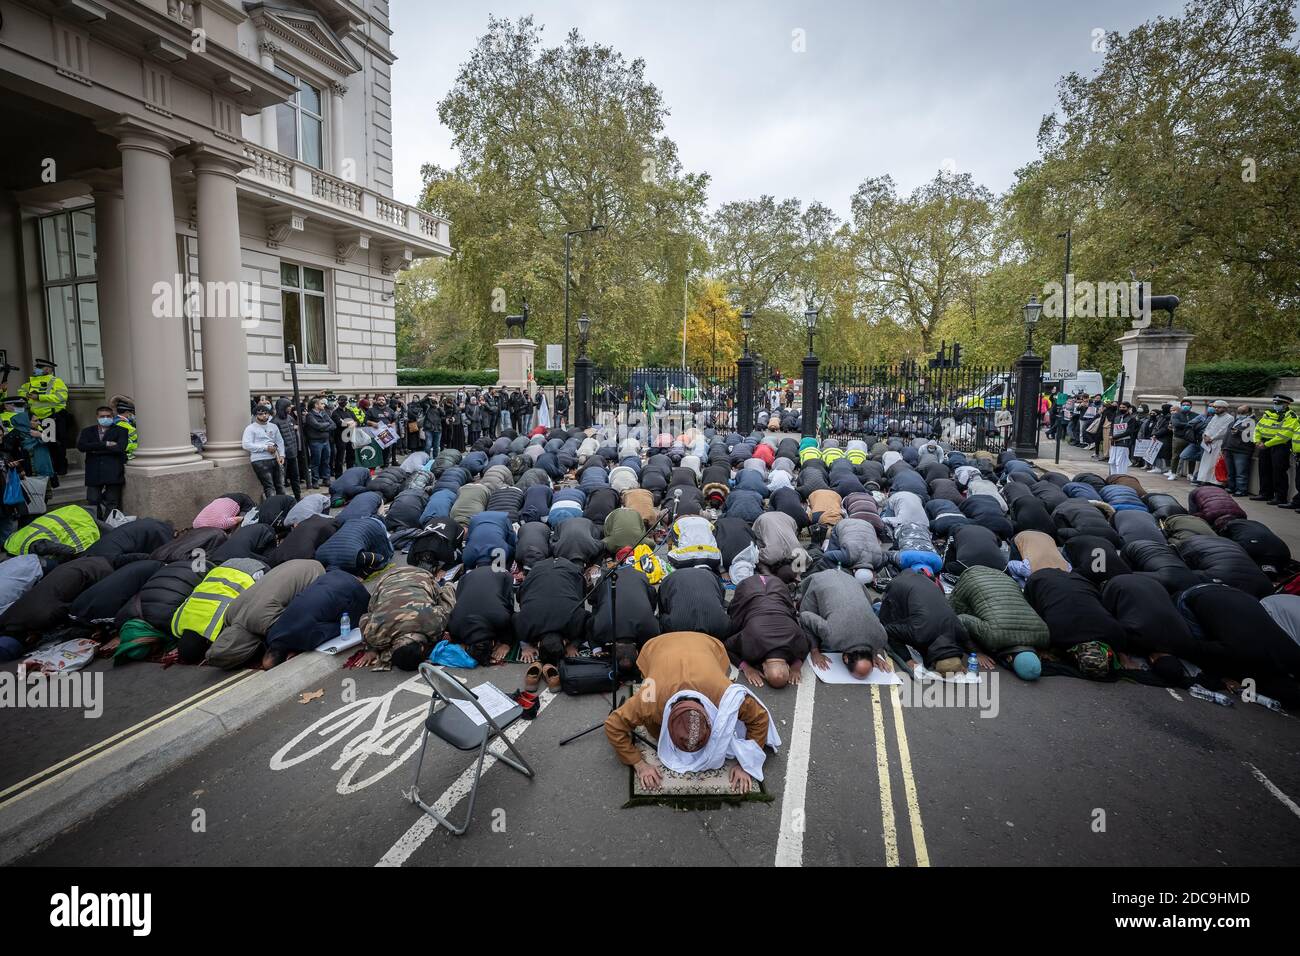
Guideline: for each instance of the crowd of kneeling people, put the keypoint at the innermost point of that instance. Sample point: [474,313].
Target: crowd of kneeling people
[755,551]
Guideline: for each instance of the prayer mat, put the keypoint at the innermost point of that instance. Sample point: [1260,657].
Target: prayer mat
[706,790]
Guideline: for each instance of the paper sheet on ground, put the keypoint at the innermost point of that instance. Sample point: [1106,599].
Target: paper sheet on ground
[341,642]
[493,700]
[839,674]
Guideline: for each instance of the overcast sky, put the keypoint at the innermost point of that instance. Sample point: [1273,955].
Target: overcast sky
[903,88]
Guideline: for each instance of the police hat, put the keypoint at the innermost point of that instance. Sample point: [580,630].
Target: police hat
[125,407]
[1284,399]
[45,362]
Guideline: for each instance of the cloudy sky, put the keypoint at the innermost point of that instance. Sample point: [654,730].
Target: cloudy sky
[797,99]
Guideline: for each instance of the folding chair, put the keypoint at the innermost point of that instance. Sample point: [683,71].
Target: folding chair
[449,723]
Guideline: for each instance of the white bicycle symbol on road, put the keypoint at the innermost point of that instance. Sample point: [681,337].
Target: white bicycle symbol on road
[383,738]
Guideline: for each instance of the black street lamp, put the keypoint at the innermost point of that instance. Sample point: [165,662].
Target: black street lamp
[746,321]
[568,237]
[584,326]
[1032,310]
[810,320]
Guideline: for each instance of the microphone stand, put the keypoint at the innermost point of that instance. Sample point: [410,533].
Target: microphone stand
[612,573]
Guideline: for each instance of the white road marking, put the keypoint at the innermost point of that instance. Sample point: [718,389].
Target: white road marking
[1272,788]
[421,829]
[789,844]
[1174,694]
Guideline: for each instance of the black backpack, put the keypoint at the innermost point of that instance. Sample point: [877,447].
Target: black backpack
[437,546]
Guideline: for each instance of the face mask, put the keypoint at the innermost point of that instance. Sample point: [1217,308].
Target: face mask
[1186,408]
[106,422]
[1278,407]
[38,372]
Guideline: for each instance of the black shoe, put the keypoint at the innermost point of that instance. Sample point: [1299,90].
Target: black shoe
[1259,498]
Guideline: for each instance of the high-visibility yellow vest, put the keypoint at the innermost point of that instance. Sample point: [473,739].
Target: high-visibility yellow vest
[204,611]
[45,394]
[811,453]
[1277,428]
[133,436]
[832,455]
[856,455]
[71,525]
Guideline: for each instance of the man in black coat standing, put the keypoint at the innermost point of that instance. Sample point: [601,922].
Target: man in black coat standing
[104,445]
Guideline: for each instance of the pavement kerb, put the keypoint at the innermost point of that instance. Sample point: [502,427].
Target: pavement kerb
[100,780]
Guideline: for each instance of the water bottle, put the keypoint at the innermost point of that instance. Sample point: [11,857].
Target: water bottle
[1268,702]
[1199,692]
[973,665]
[345,625]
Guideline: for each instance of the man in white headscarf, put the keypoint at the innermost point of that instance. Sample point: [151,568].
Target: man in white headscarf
[1212,443]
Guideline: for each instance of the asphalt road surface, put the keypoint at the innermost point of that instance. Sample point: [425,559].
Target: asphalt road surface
[1067,772]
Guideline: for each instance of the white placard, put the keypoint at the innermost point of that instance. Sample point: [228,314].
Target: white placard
[554,358]
[1065,361]
[1147,448]
[837,673]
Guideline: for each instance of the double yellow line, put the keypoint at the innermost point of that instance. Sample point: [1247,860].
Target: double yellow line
[889,826]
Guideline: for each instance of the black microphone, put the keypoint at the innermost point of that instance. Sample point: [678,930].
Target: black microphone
[677,500]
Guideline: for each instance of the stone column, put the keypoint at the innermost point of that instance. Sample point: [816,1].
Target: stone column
[224,342]
[337,151]
[153,298]
[270,137]
[110,275]
[1154,363]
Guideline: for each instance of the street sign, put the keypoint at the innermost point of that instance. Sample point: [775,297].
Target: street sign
[1065,361]
[554,358]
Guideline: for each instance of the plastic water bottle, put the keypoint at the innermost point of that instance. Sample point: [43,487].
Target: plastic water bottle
[1199,692]
[973,665]
[345,625]
[1268,702]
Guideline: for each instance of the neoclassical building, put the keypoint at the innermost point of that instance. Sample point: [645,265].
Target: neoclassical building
[192,193]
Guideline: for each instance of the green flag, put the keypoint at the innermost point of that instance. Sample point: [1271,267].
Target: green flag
[650,402]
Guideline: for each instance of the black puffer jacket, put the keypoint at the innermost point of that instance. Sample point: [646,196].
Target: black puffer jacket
[102,601]
[1226,561]
[1145,612]
[1268,550]
[46,605]
[140,536]
[165,591]
[1072,607]
[692,600]
[1094,558]
[253,541]
[182,547]
[1160,561]
[1077,516]
[636,604]
[303,540]
[916,613]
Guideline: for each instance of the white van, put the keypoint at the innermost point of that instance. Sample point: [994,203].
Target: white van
[1084,380]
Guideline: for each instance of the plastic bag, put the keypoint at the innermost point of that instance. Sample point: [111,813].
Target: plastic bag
[116,518]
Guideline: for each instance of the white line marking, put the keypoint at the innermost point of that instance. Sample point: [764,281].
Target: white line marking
[1173,693]
[1272,788]
[421,829]
[789,844]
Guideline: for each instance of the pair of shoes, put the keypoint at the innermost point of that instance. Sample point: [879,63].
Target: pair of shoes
[1260,498]
[529,703]
[1169,475]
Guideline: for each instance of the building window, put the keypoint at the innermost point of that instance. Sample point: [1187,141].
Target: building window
[300,122]
[72,295]
[302,311]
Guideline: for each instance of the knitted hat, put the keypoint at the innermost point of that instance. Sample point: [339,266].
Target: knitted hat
[1027,665]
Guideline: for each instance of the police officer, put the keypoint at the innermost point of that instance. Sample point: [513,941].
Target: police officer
[47,398]
[126,418]
[1277,430]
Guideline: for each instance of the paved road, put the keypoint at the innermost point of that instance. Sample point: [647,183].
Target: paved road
[1067,772]
[1179,781]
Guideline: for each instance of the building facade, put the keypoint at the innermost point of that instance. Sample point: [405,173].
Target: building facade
[192,195]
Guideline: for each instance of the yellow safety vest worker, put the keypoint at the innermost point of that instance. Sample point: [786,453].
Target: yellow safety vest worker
[71,525]
[1277,428]
[204,611]
[832,455]
[45,394]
